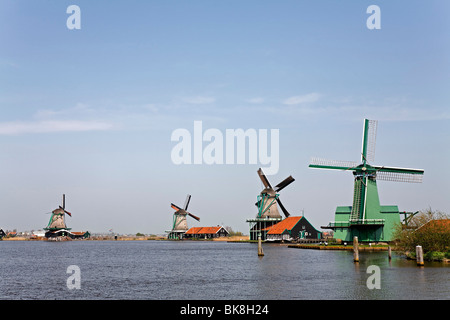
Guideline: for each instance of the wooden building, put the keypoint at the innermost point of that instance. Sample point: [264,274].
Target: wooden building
[68,233]
[206,232]
[292,228]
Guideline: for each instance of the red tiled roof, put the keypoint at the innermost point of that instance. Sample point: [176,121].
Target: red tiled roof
[203,230]
[193,230]
[286,224]
[441,225]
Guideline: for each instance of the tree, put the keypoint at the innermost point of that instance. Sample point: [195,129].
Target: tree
[428,228]
[232,233]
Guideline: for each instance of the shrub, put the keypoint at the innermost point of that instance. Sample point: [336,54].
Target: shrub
[430,229]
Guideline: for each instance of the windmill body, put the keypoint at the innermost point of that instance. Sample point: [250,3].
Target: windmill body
[268,203]
[366,218]
[179,225]
[57,225]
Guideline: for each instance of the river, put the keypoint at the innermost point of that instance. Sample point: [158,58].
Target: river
[184,270]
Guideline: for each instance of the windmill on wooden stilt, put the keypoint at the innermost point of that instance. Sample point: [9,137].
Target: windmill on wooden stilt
[268,202]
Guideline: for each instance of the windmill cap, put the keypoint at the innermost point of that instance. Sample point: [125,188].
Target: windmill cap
[269,191]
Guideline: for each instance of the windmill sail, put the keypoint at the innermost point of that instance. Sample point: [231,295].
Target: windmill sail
[195,217]
[369,140]
[186,203]
[286,213]
[319,163]
[263,178]
[399,174]
[283,184]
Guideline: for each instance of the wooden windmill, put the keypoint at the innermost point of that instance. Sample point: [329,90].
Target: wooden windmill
[57,224]
[366,218]
[268,202]
[179,226]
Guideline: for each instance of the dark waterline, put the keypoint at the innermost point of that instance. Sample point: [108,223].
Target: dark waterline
[178,270]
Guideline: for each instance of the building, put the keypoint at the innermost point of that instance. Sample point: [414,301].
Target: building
[380,226]
[80,234]
[206,232]
[67,233]
[292,228]
[259,226]
[38,233]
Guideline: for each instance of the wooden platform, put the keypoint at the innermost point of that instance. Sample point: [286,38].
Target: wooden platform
[333,247]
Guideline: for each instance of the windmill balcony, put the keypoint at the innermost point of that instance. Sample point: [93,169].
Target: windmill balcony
[367,221]
[346,224]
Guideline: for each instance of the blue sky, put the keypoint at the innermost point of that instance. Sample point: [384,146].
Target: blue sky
[90,112]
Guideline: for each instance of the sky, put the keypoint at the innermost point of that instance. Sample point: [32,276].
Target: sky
[90,112]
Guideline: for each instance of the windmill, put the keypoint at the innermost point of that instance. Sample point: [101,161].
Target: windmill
[57,225]
[179,226]
[366,218]
[269,197]
[268,202]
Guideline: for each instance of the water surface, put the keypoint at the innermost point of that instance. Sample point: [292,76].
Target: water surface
[197,270]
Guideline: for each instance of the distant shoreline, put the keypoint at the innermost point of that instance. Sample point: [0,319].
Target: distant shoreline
[129,238]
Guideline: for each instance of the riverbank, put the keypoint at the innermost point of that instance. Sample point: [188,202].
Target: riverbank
[339,247]
[130,238]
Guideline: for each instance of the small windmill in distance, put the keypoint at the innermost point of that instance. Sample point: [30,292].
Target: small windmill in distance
[179,226]
[57,224]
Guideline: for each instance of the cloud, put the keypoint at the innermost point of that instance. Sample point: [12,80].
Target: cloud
[199,100]
[306,98]
[255,100]
[20,127]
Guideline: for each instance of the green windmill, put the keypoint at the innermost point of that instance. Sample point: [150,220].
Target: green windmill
[366,218]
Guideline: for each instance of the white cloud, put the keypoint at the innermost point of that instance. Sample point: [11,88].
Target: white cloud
[306,98]
[18,127]
[199,100]
[255,100]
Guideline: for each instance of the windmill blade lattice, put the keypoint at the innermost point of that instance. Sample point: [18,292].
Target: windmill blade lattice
[283,184]
[186,203]
[400,176]
[369,140]
[320,163]
[263,178]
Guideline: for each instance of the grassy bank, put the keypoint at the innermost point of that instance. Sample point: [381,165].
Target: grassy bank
[431,256]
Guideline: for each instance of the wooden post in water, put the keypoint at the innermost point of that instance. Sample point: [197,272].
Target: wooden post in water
[419,256]
[390,252]
[260,250]
[355,249]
